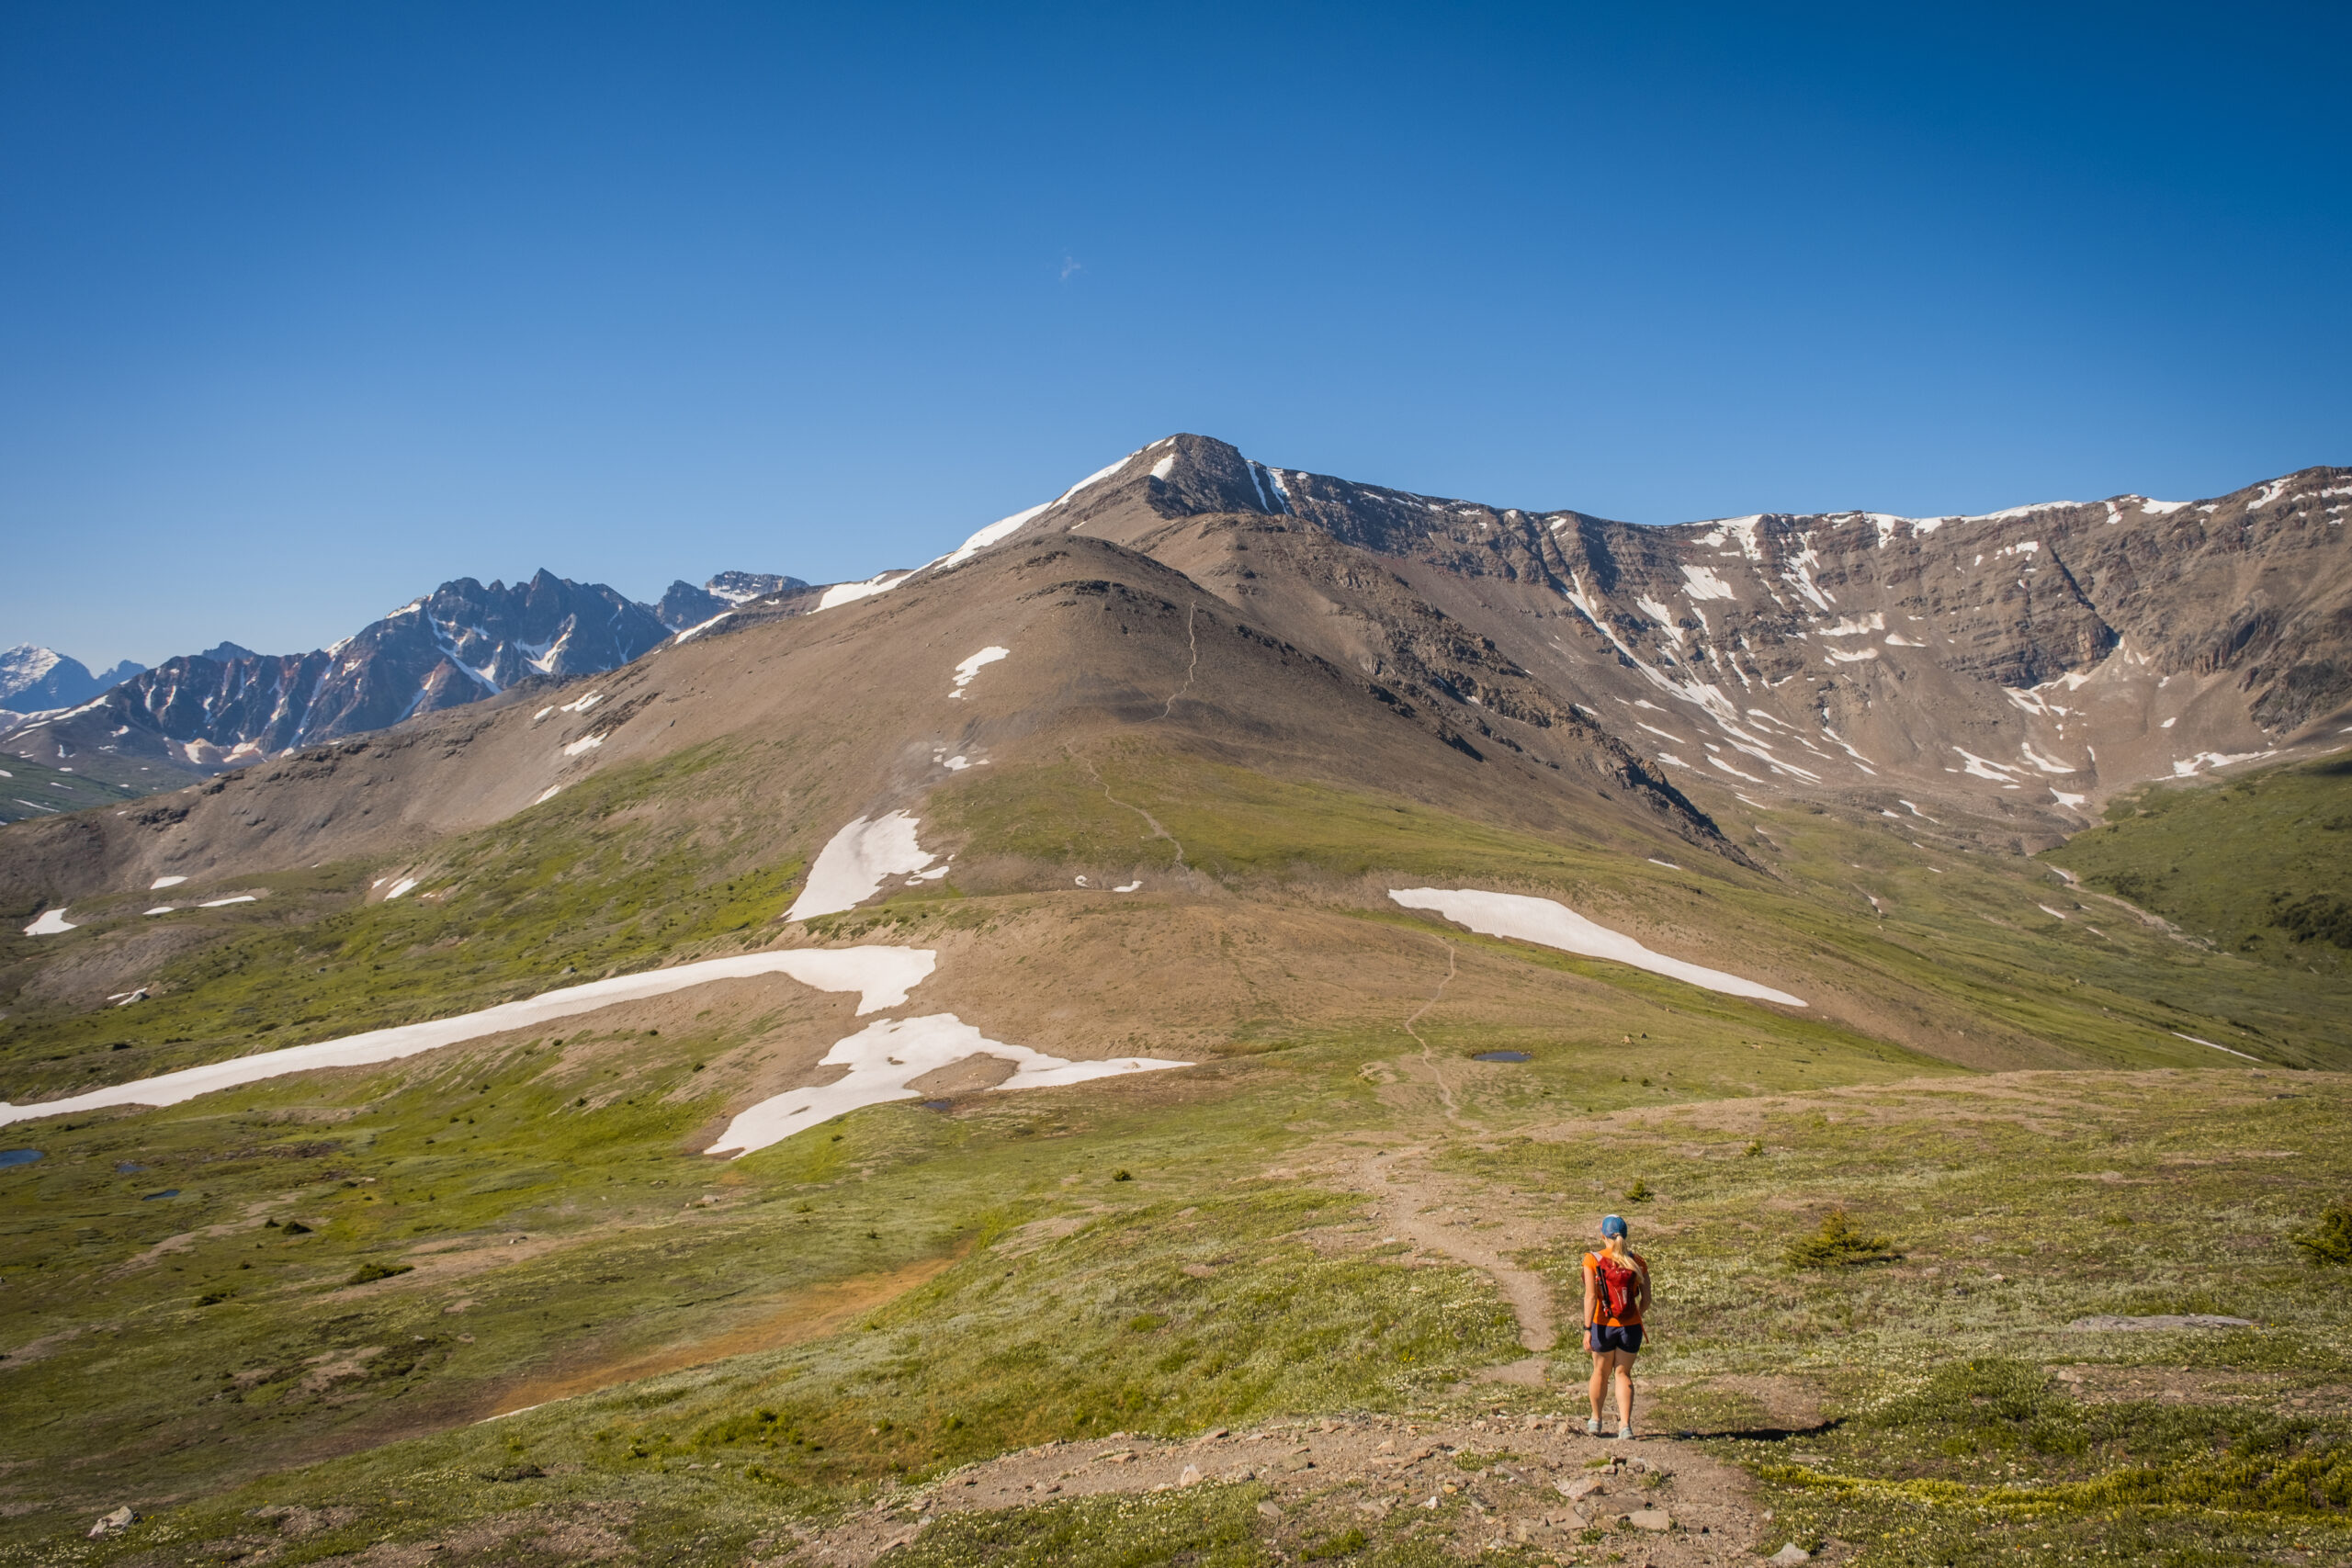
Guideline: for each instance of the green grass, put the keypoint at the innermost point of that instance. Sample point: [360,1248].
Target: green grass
[1947,1432]
[41,789]
[2260,865]
[582,886]
[1133,1255]
[1210,1526]
[1960,956]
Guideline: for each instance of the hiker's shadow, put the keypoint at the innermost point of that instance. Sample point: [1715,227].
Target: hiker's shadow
[1758,1434]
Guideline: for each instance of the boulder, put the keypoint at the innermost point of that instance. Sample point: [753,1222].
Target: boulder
[1650,1520]
[1790,1555]
[120,1519]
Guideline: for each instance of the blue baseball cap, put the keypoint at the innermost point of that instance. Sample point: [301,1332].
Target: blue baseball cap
[1613,1224]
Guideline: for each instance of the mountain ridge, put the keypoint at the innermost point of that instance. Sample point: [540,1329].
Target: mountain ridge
[198,714]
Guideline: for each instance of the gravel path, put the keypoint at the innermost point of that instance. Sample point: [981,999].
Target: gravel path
[1537,1481]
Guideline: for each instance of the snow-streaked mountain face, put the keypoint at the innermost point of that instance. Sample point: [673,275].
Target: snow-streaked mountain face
[2023,664]
[2033,659]
[459,644]
[35,679]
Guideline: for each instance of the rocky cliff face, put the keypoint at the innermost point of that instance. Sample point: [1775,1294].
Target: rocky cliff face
[2034,659]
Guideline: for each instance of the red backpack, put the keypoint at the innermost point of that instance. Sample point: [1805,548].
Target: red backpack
[1618,1286]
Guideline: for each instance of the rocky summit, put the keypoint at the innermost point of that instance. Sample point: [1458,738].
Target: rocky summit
[1113,1046]
[35,679]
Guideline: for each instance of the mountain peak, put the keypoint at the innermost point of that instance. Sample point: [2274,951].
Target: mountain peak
[682,604]
[34,679]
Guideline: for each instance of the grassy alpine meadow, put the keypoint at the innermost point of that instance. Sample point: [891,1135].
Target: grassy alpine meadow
[2259,866]
[586,884]
[491,1303]
[1945,1393]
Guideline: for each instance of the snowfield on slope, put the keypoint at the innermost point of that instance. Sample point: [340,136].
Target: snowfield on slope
[972,666]
[857,861]
[1551,924]
[881,976]
[884,1058]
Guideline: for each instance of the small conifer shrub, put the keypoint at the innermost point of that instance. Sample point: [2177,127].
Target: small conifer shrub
[1840,1243]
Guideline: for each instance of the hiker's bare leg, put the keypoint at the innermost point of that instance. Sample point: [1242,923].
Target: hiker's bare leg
[1624,1365]
[1599,1381]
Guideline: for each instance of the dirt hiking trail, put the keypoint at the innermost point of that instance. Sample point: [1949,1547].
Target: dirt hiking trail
[1474,1485]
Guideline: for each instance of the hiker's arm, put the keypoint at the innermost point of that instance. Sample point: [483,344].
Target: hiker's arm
[1644,1306]
[1591,1317]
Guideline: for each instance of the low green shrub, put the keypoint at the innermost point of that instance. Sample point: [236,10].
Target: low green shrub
[2332,1242]
[1839,1243]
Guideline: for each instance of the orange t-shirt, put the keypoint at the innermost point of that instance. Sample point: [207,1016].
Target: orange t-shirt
[1633,1315]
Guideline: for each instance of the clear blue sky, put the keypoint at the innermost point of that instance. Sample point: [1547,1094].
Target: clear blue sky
[305,308]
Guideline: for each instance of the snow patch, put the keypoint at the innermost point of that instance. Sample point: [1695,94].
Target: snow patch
[1983,767]
[1736,530]
[884,1058]
[856,861]
[2209,760]
[850,592]
[166,882]
[2177,1034]
[1096,478]
[1551,924]
[882,976]
[547,794]
[583,704]
[974,665]
[404,885]
[1662,615]
[1855,625]
[52,922]
[585,743]
[1001,529]
[224,903]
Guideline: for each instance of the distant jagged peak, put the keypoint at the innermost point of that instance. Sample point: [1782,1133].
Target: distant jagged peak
[34,679]
[741,587]
[683,606]
[28,661]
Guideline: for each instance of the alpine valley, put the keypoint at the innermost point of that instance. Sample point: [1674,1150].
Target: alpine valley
[1110,1048]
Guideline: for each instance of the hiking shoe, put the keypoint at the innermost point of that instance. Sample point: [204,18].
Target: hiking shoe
[1592,1426]
[1624,1434]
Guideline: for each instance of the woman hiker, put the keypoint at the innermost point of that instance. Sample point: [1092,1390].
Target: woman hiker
[1616,1291]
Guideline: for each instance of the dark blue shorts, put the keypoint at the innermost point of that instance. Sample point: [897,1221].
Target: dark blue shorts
[1599,1339]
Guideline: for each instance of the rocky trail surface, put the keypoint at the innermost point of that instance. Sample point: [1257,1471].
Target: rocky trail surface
[1536,1482]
